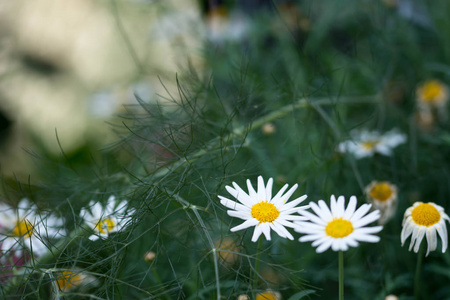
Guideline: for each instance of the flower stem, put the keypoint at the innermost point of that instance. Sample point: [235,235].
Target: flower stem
[256,270]
[418,270]
[341,275]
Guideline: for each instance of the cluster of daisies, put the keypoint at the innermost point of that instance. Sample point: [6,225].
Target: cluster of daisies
[338,225]
[26,233]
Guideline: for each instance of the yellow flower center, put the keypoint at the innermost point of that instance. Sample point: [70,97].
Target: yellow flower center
[105,225]
[23,228]
[425,214]
[266,296]
[369,145]
[381,191]
[339,228]
[68,280]
[431,90]
[265,212]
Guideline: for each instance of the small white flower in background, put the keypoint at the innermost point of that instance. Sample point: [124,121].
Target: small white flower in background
[425,219]
[338,228]
[105,220]
[366,143]
[383,196]
[260,210]
[24,228]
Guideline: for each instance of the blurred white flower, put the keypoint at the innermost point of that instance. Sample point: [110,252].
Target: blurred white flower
[106,220]
[338,228]
[383,196]
[259,209]
[425,219]
[366,143]
[23,228]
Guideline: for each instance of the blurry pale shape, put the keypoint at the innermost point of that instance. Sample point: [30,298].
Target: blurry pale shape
[391,297]
[223,26]
[243,297]
[268,129]
[425,120]
[150,256]
[228,250]
[383,196]
[102,104]
[366,143]
[178,24]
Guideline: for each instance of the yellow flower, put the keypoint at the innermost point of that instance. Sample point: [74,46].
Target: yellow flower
[71,279]
[432,93]
[383,196]
[425,219]
[268,295]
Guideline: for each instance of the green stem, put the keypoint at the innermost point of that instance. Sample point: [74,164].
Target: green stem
[258,123]
[341,275]
[418,270]
[257,261]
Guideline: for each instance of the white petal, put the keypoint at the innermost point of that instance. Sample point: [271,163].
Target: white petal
[350,208]
[333,205]
[406,231]
[240,195]
[373,216]
[265,227]
[431,240]
[324,246]
[251,190]
[313,218]
[248,223]
[419,239]
[361,211]
[261,190]
[277,229]
[442,230]
[323,214]
[366,238]
[269,189]
[279,194]
[292,204]
[282,200]
[239,214]
[325,211]
[233,205]
[281,228]
[310,237]
[256,233]
[340,207]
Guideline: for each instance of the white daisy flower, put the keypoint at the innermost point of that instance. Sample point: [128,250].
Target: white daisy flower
[338,228]
[259,209]
[425,219]
[105,220]
[366,143]
[383,196]
[23,228]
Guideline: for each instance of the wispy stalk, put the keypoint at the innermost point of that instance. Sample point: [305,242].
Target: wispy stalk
[258,123]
